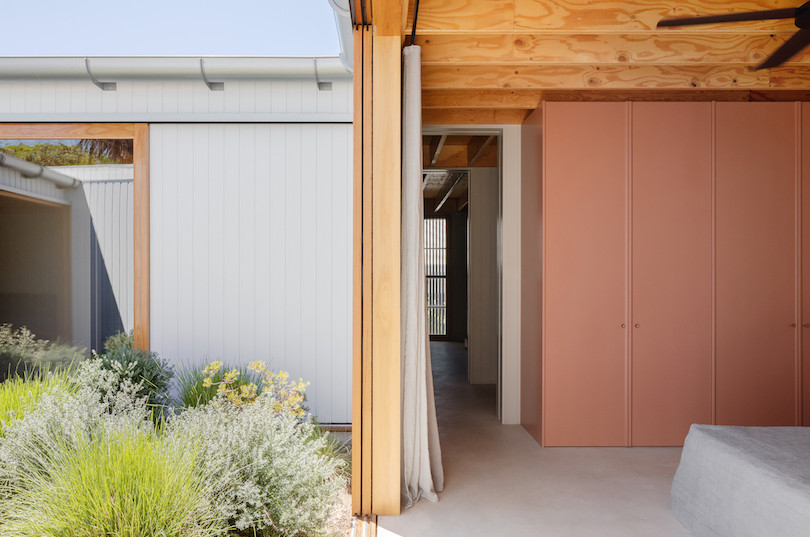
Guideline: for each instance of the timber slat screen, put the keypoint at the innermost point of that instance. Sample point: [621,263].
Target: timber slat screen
[436,275]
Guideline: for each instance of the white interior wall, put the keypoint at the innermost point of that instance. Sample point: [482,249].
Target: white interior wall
[510,274]
[251,251]
[483,308]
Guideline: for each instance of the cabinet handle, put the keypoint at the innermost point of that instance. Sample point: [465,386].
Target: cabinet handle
[793,325]
[806,325]
[623,325]
[636,325]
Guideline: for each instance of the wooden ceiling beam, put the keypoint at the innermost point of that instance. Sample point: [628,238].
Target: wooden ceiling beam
[458,155]
[452,156]
[477,146]
[605,49]
[616,16]
[473,116]
[593,77]
[531,99]
[496,98]
[406,7]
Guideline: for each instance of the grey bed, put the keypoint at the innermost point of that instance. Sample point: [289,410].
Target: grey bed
[744,481]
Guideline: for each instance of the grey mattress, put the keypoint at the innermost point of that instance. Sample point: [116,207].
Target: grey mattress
[744,481]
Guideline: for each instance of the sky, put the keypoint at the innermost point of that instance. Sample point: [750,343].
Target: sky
[169,27]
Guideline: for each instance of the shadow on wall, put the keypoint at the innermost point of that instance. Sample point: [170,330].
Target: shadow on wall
[101,252]
[104,311]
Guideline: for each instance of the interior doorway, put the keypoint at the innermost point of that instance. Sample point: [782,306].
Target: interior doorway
[462,208]
[35,271]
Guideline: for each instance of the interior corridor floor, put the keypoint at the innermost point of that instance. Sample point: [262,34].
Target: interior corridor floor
[499,481]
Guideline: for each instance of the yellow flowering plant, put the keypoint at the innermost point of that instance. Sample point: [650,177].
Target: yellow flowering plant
[283,395]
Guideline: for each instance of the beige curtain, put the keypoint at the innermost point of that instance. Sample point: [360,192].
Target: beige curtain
[422,473]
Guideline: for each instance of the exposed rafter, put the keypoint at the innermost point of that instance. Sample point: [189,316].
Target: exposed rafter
[476,148]
[436,149]
[460,176]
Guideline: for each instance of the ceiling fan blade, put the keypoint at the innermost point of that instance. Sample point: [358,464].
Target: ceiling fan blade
[790,48]
[770,14]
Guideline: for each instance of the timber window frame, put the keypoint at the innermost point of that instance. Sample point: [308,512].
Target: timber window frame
[139,134]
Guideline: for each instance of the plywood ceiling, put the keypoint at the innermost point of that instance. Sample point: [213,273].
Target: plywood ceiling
[492,61]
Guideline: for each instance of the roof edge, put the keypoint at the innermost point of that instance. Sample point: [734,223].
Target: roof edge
[343,21]
[219,68]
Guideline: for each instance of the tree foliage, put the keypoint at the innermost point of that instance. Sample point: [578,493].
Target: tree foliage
[84,153]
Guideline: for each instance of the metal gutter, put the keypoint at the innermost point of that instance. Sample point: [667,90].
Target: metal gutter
[101,69]
[343,21]
[29,170]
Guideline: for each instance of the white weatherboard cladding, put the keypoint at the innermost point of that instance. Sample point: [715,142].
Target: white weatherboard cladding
[101,206]
[251,251]
[12,181]
[270,101]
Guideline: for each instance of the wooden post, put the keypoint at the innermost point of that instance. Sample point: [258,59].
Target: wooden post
[141,234]
[376,311]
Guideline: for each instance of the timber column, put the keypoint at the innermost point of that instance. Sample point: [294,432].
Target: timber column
[376,418]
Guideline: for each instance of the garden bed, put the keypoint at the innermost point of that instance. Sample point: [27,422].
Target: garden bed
[95,447]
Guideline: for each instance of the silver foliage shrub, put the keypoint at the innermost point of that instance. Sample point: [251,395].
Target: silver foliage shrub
[266,472]
[59,420]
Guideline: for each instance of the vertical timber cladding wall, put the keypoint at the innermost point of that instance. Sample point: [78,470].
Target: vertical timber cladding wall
[251,251]
[484,314]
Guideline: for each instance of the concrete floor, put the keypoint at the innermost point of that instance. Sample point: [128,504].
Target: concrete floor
[499,481]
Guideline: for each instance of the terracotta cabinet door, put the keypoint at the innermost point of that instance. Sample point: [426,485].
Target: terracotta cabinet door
[671,356]
[585,211]
[756,264]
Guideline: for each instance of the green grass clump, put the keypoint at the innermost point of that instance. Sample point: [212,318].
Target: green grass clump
[129,483]
[333,447]
[19,394]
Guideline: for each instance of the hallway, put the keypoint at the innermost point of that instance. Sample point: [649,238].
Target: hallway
[499,481]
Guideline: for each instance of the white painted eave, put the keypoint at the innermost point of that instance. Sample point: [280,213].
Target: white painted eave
[219,68]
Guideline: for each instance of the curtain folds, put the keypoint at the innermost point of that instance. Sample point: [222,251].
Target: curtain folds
[422,473]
